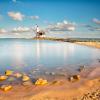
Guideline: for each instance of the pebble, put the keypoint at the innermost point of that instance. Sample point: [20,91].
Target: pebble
[8,72]
[74,78]
[81,68]
[25,78]
[95,95]
[17,75]
[3,77]
[6,87]
[41,81]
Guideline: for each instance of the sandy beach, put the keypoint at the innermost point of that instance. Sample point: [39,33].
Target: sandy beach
[86,88]
[91,44]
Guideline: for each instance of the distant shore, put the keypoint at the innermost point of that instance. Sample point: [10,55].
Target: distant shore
[92,42]
[82,41]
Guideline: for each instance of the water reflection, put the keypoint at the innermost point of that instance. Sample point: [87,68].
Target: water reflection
[21,54]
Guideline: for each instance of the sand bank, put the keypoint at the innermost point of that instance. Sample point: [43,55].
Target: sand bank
[91,44]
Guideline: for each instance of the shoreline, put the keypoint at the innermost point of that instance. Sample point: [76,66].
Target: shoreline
[58,89]
[90,44]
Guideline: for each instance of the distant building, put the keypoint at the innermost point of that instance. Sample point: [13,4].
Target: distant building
[39,33]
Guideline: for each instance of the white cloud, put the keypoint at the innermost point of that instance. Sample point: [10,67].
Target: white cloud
[34,17]
[62,26]
[19,16]
[16,16]
[95,20]
[3,31]
[65,22]
[91,27]
[21,29]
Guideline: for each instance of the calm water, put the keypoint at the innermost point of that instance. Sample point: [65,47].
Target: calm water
[20,54]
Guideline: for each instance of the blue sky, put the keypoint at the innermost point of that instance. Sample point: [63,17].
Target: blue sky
[58,17]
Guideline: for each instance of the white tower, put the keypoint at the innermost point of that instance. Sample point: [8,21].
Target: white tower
[39,33]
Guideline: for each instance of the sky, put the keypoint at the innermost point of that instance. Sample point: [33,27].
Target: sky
[58,18]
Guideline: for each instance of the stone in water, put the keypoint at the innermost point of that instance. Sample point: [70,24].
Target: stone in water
[8,72]
[6,87]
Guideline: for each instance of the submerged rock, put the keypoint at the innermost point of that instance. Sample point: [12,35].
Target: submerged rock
[81,68]
[3,77]
[25,78]
[74,78]
[17,75]
[8,72]
[6,87]
[41,81]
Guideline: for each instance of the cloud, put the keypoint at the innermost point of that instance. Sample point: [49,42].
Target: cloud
[21,29]
[19,16]
[16,16]
[91,27]
[95,20]
[3,31]
[34,17]
[62,26]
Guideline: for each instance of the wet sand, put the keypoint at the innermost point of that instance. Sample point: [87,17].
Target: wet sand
[87,87]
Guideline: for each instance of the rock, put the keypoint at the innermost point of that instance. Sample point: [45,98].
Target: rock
[6,87]
[25,78]
[18,75]
[41,81]
[8,72]
[52,73]
[94,95]
[3,77]
[71,78]
[77,77]
[81,68]
[74,78]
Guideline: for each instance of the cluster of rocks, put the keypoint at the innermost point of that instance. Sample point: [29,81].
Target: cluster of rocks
[95,95]
[25,79]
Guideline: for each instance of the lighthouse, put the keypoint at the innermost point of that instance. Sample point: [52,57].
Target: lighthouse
[39,33]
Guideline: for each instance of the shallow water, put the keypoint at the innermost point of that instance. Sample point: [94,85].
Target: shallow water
[24,55]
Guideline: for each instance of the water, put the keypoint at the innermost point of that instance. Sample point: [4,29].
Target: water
[23,55]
